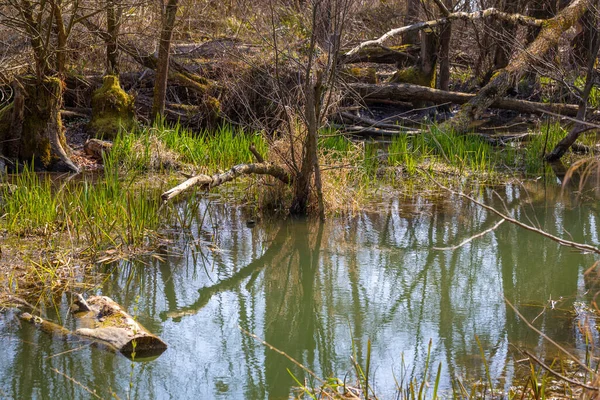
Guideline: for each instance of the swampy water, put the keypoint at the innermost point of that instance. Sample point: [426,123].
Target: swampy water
[319,293]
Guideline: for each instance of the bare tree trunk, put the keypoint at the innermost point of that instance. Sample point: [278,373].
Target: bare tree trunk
[444,52]
[548,37]
[411,17]
[504,44]
[162,69]
[113,17]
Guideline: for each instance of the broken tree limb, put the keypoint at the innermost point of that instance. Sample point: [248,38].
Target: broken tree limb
[208,182]
[550,34]
[487,13]
[406,91]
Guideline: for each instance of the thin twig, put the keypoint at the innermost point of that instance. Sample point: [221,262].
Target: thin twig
[543,335]
[559,376]
[472,237]
[252,335]
[563,242]
[87,389]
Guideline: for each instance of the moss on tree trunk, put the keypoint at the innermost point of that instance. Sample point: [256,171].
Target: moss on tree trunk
[112,110]
[30,127]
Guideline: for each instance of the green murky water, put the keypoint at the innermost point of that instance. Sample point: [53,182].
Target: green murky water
[319,292]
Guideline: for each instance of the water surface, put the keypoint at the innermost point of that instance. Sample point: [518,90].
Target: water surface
[319,292]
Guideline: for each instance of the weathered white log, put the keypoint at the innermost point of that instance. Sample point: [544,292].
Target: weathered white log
[208,182]
[487,13]
[109,323]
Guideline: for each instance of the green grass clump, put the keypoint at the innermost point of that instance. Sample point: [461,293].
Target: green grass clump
[102,212]
[533,152]
[464,152]
[165,147]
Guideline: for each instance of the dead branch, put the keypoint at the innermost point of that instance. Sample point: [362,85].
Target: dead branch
[543,335]
[208,182]
[550,34]
[488,13]
[561,241]
[406,91]
[560,376]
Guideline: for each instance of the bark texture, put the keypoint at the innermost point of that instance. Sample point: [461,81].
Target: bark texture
[31,129]
[162,69]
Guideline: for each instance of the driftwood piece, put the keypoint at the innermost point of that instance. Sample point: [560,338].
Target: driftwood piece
[109,323]
[103,322]
[96,148]
[209,182]
[406,91]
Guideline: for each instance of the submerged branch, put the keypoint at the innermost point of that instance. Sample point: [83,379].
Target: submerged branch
[543,335]
[561,241]
[480,234]
[560,376]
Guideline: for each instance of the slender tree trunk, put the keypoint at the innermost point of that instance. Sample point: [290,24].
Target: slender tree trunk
[113,17]
[411,17]
[164,47]
[548,37]
[444,53]
[309,152]
[504,45]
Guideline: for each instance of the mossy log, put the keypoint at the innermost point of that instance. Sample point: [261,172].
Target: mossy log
[109,323]
[356,74]
[104,323]
[112,110]
[415,76]
[398,55]
[31,129]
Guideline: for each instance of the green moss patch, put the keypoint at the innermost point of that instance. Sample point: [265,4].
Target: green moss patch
[415,76]
[112,110]
[356,74]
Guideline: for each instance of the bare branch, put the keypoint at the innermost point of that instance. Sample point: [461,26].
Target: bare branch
[560,376]
[563,242]
[488,13]
[209,182]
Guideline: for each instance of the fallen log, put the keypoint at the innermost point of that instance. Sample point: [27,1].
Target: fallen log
[400,55]
[406,91]
[208,182]
[104,323]
[97,148]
